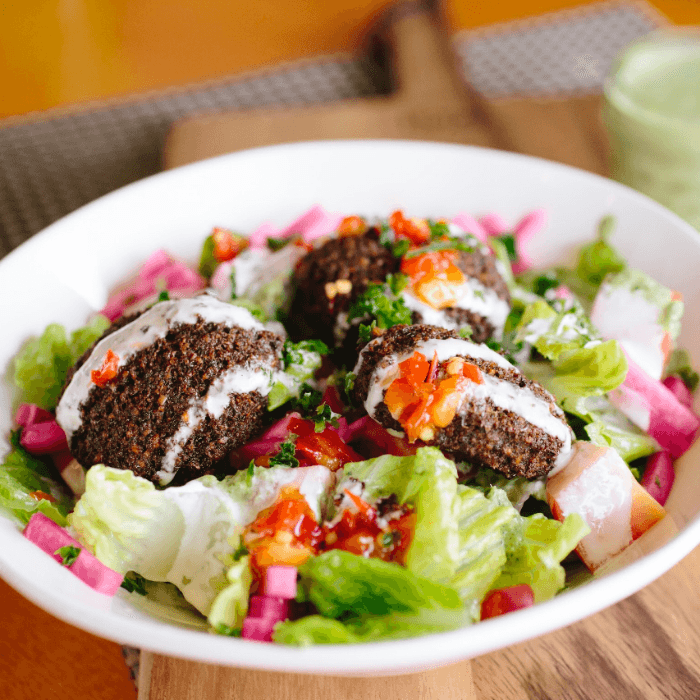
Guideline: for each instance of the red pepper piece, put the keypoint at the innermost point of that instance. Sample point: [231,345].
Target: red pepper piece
[107,372]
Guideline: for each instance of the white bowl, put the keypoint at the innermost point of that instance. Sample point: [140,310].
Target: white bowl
[65,273]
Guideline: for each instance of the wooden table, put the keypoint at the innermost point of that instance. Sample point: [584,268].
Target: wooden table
[645,647]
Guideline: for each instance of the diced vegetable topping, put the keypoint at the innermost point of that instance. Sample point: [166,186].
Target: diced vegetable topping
[107,372]
[421,401]
[55,541]
[507,600]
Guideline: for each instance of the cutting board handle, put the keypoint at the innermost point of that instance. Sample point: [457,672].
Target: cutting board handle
[165,678]
[424,68]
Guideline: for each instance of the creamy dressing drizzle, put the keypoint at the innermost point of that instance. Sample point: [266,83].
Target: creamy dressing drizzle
[471,296]
[141,333]
[521,401]
[238,380]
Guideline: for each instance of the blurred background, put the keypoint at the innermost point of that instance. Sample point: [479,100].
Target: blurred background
[63,52]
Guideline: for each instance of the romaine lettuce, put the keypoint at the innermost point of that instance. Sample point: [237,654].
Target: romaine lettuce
[43,363]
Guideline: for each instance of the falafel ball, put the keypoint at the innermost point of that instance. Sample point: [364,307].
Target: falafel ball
[480,300]
[171,391]
[466,399]
[330,278]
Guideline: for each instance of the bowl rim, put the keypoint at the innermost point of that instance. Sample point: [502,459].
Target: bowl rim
[377,658]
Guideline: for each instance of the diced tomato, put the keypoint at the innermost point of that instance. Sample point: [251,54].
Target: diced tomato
[325,448]
[362,506]
[472,373]
[415,369]
[107,372]
[417,418]
[352,226]
[227,245]
[505,600]
[432,372]
[446,400]
[429,264]
[286,533]
[399,396]
[42,496]
[416,230]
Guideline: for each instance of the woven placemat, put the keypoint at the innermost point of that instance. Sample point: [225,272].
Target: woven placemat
[54,162]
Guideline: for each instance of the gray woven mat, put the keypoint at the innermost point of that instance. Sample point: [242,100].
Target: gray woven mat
[53,163]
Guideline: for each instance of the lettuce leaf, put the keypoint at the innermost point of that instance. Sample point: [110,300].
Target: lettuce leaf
[535,547]
[428,482]
[363,599]
[301,360]
[186,535]
[231,605]
[20,475]
[43,363]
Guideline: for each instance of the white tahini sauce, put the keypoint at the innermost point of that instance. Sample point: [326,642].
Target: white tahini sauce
[143,332]
[472,296]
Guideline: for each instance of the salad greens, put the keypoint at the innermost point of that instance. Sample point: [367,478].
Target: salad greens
[43,363]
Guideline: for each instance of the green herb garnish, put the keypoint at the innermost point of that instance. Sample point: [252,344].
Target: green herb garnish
[240,552]
[68,554]
[438,230]
[465,332]
[307,401]
[134,583]
[276,244]
[450,244]
[285,457]
[380,303]
[164,296]
[226,630]
[324,416]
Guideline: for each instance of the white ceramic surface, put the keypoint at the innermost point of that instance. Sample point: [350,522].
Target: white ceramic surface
[65,272]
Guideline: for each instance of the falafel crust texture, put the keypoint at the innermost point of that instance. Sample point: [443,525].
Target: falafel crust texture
[128,423]
[481,433]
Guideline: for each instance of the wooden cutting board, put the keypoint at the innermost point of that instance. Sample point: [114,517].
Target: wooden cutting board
[431,102]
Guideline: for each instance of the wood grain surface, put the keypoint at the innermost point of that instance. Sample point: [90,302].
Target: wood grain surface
[645,647]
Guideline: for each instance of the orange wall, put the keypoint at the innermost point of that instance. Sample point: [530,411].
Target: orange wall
[57,52]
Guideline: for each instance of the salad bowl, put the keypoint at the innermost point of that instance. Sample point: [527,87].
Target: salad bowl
[66,273]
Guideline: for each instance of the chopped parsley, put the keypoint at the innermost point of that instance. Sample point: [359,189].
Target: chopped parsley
[388,538]
[508,241]
[207,262]
[465,332]
[349,384]
[250,472]
[400,248]
[134,583]
[275,244]
[367,332]
[324,416]
[240,552]
[307,401]
[285,457]
[397,282]
[68,554]
[226,630]
[164,296]
[438,229]
[381,304]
